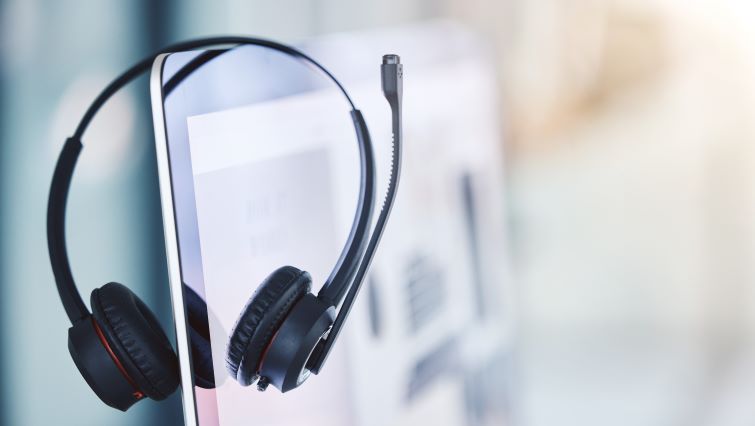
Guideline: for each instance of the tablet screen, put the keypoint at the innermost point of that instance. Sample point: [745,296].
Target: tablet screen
[254,187]
[264,173]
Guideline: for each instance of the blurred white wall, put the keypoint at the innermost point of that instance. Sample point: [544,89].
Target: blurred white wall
[632,178]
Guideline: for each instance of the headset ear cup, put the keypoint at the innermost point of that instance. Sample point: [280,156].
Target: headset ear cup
[261,318]
[92,357]
[137,340]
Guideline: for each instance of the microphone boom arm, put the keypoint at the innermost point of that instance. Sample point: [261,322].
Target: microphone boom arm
[392,84]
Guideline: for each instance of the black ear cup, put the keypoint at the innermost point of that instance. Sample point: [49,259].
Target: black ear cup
[136,340]
[261,318]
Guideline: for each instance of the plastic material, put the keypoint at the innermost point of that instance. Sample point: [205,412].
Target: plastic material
[285,364]
[261,318]
[392,79]
[98,367]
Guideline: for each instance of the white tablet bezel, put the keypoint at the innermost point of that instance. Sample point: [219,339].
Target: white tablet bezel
[171,241]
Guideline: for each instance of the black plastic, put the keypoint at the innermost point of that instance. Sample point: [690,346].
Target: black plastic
[261,318]
[392,81]
[136,338]
[98,368]
[332,292]
[284,365]
[56,231]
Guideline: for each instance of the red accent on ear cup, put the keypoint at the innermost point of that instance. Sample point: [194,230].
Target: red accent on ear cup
[138,394]
[135,336]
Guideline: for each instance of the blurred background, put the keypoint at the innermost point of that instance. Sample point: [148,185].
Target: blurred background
[630,191]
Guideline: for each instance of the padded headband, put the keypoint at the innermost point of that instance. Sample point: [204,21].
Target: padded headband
[334,288]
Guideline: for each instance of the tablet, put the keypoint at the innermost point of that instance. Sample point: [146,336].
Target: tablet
[259,168]
[245,146]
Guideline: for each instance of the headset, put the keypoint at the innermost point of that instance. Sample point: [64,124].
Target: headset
[283,334]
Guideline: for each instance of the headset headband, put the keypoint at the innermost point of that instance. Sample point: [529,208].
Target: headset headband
[348,264]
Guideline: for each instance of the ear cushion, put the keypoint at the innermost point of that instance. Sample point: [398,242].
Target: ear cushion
[137,340]
[261,318]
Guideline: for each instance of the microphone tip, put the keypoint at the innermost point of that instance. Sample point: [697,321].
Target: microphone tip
[391,59]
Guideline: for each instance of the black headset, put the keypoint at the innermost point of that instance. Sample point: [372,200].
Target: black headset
[284,332]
